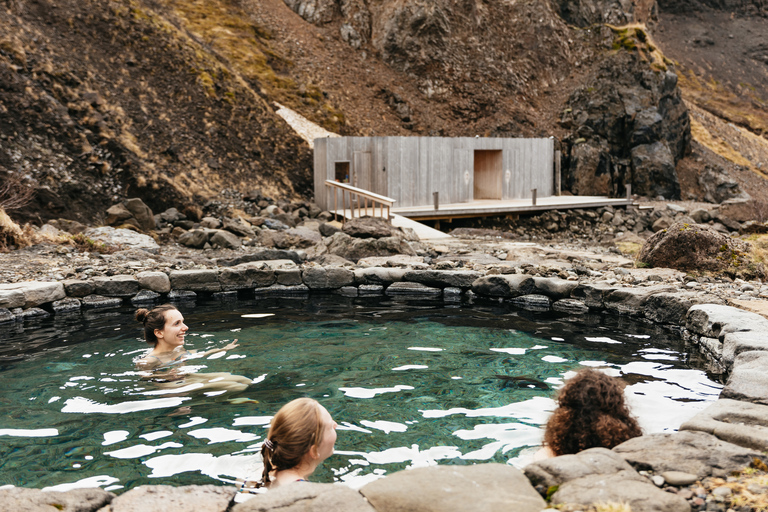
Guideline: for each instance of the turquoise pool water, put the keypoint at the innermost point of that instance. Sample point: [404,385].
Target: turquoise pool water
[409,384]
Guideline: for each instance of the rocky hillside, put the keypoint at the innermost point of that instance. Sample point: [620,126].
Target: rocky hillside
[101,100]
[173,101]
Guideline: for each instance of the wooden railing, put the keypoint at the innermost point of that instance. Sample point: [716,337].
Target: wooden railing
[356,200]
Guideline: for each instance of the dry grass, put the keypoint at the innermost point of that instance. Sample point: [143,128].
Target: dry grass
[755,475]
[612,507]
[226,28]
[716,145]
[759,251]
[747,110]
[635,37]
[629,248]
[13,193]
[84,244]
[11,234]
[735,144]
[595,507]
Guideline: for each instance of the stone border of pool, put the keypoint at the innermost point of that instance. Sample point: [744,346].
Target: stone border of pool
[725,437]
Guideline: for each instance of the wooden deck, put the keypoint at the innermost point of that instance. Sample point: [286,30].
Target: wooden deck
[487,207]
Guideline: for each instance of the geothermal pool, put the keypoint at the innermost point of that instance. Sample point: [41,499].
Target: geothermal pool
[409,383]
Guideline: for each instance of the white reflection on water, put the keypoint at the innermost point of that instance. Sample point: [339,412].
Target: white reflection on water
[385,426]
[371,392]
[222,435]
[410,367]
[251,420]
[508,435]
[513,351]
[413,455]
[154,436]
[82,405]
[25,432]
[680,393]
[140,450]
[536,410]
[602,339]
[85,483]
[194,420]
[115,436]
[234,466]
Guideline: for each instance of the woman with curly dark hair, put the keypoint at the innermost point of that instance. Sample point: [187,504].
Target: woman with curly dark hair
[591,412]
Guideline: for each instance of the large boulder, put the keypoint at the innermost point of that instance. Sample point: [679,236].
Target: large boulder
[123,238]
[488,487]
[748,380]
[225,240]
[76,500]
[207,498]
[598,475]
[355,249]
[307,497]
[132,211]
[558,470]
[368,227]
[29,294]
[734,421]
[740,210]
[142,213]
[698,453]
[694,247]
[623,487]
[718,186]
[509,285]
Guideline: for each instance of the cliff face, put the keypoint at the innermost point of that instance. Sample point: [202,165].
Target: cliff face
[173,100]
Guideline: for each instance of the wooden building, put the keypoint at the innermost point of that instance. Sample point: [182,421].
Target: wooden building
[411,169]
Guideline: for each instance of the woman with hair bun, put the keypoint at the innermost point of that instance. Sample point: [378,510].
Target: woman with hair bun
[301,436]
[591,412]
[165,330]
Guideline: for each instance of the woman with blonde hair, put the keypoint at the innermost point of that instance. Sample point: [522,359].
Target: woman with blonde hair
[591,412]
[301,436]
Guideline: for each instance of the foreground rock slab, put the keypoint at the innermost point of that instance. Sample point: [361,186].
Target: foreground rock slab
[163,498]
[736,422]
[598,475]
[307,497]
[487,487]
[697,453]
[625,487]
[558,470]
[77,500]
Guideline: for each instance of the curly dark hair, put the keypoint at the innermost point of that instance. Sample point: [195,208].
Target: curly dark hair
[591,413]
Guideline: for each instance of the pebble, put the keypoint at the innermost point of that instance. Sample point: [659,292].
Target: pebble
[722,491]
[679,478]
[657,480]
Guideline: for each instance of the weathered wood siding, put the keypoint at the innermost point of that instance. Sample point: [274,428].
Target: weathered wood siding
[411,169]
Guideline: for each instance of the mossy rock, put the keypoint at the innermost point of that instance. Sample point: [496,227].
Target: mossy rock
[696,247]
